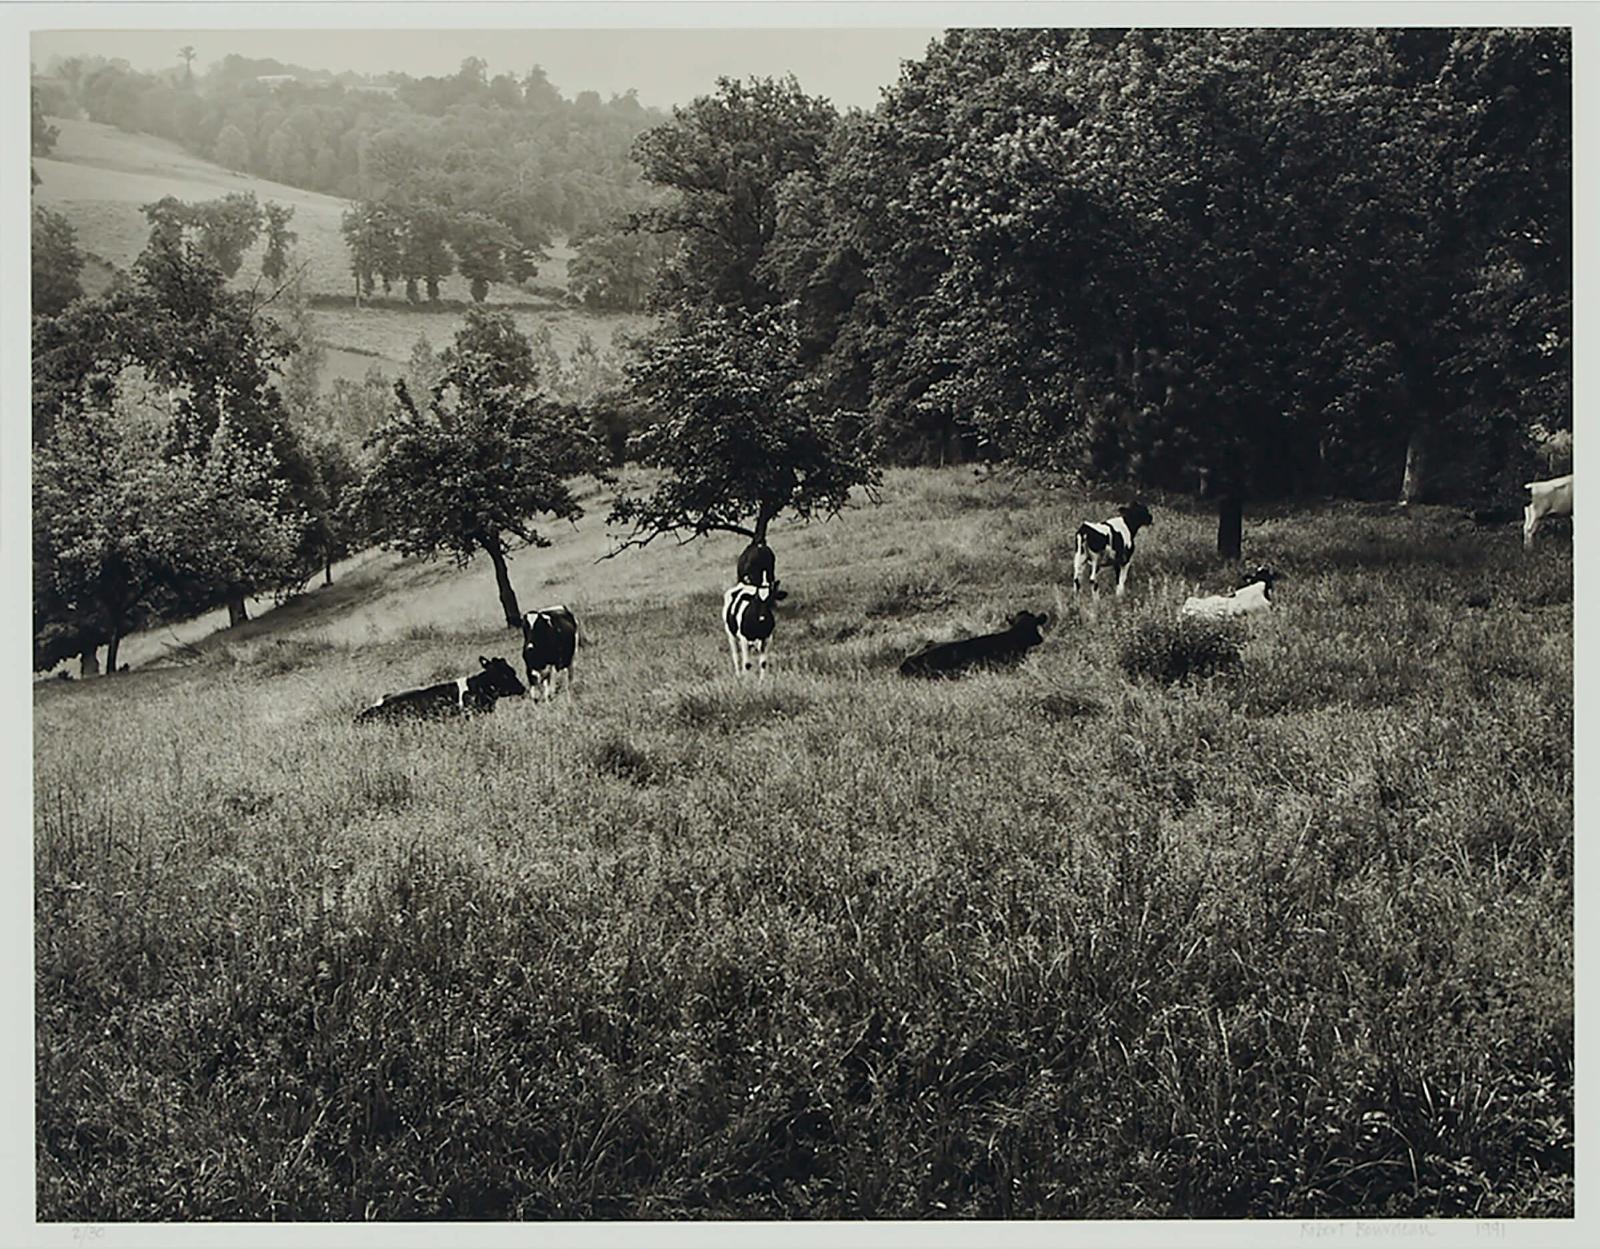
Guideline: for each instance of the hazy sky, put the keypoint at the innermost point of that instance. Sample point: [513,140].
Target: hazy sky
[848,66]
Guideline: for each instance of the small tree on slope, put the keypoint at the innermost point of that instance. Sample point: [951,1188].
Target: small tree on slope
[485,457]
[741,433]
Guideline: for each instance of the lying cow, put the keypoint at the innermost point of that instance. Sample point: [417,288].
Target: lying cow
[478,692]
[1108,542]
[749,622]
[1548,498]
[992,650]
[549,639]
[758,567]
[1250,599]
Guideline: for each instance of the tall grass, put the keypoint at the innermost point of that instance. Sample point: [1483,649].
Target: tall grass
[1294,940]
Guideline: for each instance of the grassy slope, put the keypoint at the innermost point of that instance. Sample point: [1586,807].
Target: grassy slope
[100,176]
[1044,943]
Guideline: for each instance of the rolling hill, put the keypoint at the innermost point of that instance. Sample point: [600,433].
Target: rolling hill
[99,176]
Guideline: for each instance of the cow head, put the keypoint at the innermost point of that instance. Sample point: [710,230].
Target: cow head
[1136,515]
[1029,627]
[1262,574]
[497,678]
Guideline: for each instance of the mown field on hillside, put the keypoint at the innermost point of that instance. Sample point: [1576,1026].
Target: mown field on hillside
[98,177]
[1055,942]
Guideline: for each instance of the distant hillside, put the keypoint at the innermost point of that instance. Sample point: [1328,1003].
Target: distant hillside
[99,176]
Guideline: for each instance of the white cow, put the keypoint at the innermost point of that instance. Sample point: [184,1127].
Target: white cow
[1549,498]
[1250,599]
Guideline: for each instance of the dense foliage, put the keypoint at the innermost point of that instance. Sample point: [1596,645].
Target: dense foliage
[1266,262]
[204,419]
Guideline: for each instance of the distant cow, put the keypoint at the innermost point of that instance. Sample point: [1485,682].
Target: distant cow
[1548,498]
[758,567]
[1108,542]
[549,639]
[748,620]
[989,651]
[478,692]
[1250,599]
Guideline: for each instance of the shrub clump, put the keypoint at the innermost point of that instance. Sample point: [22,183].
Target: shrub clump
[1184,650]
[617,756]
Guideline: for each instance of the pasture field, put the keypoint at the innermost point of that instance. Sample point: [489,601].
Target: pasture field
[99,177]
[1295,941]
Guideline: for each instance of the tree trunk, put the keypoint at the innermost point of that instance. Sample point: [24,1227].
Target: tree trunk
[236,612]
[88,662]
[763,519]
[1419,459]
[1230,525]
[111,654]
[502,580]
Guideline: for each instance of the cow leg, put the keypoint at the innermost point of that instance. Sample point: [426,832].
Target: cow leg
[1530,525]
[1122,580]
[1079,559]
[760,649]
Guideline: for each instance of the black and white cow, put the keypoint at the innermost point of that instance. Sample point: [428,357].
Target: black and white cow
[992,650]
[549,640]
[758,567]
[748,619]
[1108,542]
[1252,598]
[478,692]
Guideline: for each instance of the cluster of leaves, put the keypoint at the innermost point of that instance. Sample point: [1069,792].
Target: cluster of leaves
[132,515]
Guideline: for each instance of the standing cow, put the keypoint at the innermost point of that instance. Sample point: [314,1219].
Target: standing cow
[1108,542]
[549,640]
[748,619]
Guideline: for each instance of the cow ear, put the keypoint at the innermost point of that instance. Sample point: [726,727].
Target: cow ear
[484,660]
[1044,619]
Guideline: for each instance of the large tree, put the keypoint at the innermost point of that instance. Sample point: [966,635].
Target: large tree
[176,320]
[484,457]
[741,433]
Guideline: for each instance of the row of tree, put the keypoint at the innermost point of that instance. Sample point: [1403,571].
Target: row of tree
[512,149]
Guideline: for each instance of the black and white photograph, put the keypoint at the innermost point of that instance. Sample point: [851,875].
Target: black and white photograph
[910,624]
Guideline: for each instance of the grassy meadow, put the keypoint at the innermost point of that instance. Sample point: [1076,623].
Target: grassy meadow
[1295,941]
